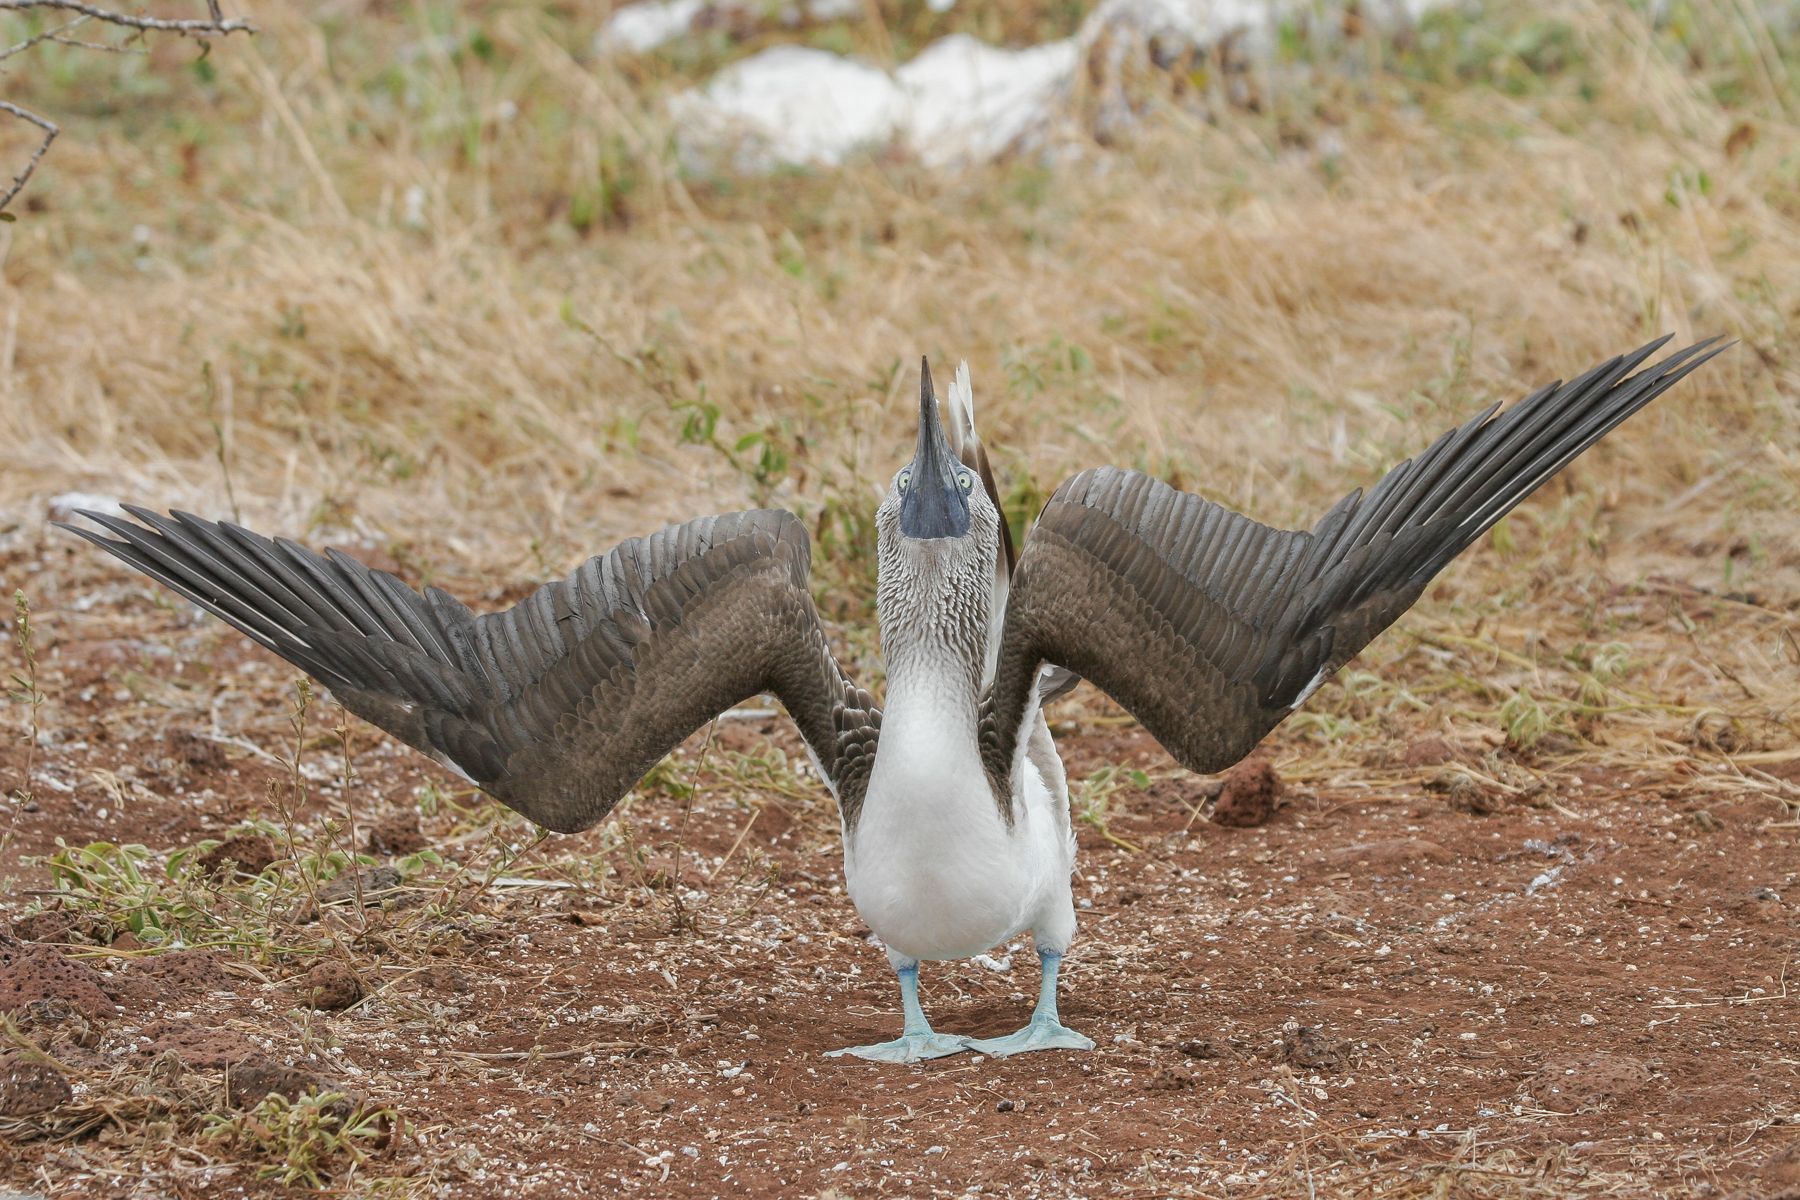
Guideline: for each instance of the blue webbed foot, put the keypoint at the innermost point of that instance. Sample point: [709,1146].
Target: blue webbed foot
[908,1048]
[920,1041]
[1041,1034]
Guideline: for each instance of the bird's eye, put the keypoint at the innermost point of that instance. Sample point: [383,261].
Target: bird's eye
[967,481]
[905,478]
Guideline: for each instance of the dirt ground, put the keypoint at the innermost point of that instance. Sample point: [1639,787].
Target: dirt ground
[1417,977]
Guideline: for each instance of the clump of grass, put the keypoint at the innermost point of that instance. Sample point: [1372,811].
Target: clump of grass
[315,1141]
[1091,800]
[25,690]
[168,899]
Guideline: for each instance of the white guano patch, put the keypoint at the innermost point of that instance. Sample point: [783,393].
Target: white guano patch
[960,101]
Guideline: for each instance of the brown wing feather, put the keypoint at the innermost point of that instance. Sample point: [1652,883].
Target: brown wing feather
[558,705]
[1210,628]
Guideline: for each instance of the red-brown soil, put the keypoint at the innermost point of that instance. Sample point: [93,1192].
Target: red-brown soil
[1580,989]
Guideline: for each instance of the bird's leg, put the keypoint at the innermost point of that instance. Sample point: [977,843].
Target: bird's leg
[1046,1030]
[917,1039]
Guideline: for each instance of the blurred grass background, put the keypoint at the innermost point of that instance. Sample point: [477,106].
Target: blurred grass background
[432,275]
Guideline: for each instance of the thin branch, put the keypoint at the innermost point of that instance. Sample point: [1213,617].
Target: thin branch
[50,132]
[200,27]
[53,35]
[213,25]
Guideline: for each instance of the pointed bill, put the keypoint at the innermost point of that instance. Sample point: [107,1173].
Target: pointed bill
[933,503]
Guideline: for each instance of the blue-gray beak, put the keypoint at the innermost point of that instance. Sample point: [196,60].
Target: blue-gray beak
[933,503]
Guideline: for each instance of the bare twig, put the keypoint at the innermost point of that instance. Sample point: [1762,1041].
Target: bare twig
[49,35]
[50,132]
[210,26]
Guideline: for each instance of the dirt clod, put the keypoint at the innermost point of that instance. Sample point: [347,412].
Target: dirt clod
[396,835]
[28,1088]
[1250,795]
[444,979]
[1465,793]
[1428,752]
[49,925]
[198,1049]
[1589,1082]
[247,855]
[31,972]
[371,885]
[194,751]
[329,986]
[249,1081]
[1777,1177]
[1304,1046]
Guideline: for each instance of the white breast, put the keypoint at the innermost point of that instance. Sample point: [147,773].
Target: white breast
[931,865]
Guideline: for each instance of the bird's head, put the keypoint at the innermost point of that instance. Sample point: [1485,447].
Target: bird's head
[934,492]
[938,533]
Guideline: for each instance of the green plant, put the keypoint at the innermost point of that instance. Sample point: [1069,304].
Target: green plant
[1091,800]
[313,1141]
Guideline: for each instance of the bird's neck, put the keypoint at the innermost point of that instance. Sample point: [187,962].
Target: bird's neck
[934,631]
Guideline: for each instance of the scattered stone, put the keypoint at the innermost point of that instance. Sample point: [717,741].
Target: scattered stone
[1169,1079]
[1004,1106]
[329,986]
[1249,797]
[396,835]
[31,972]
[1766,895]
[1305,1046]
[1428,752]
[28,1088]
[1203,1048]
[373,883]
[249,856]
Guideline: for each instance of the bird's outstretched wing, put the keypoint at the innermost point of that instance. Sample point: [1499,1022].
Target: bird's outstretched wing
[1210,628]
[558,705]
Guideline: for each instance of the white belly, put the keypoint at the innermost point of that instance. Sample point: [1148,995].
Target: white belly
[932,866]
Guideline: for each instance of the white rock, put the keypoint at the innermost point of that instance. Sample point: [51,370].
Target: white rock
[789,105]
[960,100]
[967,101]
[639,28]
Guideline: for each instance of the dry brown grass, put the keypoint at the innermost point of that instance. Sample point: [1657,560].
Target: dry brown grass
[1271,309]
[1270,323]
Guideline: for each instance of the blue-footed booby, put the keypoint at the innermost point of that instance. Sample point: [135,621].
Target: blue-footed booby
[1206,626]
